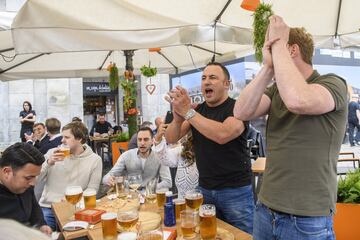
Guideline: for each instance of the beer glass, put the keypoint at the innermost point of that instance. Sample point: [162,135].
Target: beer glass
[188,222]
[135,181]
[127,218]
[207,214]
[73,194]
[65,150]
[90,198]
[150,191]
[180,205]
[160,197]
[109,226]
[194,199]
[120,187]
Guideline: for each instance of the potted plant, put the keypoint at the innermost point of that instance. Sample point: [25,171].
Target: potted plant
[119,141]
[346,219]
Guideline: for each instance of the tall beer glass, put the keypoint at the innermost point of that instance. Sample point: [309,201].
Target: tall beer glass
[179,206]
[189,221]
[194,199]
[73,194]
[109,226]
[207,214]
[90,198]
[160,198]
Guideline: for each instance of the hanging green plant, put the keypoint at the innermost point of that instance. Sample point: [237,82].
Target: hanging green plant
[148,71]
[260,24]
[129,88]
[113,76]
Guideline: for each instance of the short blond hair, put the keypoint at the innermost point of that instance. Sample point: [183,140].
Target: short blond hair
[304,40]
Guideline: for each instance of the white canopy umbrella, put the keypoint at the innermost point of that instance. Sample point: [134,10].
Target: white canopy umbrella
[83,36]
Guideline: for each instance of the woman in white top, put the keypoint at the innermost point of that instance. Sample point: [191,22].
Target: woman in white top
[180,156]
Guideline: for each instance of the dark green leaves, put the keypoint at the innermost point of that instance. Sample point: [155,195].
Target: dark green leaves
[148,71]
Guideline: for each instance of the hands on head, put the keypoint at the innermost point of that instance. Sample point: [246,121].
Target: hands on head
[277,34]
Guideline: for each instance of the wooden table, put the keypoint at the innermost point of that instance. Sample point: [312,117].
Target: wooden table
[258,168]
[63,212]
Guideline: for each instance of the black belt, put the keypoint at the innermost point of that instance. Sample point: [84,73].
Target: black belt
[283,213]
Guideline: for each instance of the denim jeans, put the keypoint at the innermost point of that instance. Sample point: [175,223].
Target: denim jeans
[270,225]
[233,205]
[49,218]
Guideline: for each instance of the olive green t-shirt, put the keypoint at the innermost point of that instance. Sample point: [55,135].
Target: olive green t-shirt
[302,153]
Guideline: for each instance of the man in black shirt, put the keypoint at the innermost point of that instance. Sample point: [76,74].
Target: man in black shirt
[19,166]
[220,146]
[353,120]
[100,127]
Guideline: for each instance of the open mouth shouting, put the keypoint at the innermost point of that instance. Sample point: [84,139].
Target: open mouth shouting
[208,92]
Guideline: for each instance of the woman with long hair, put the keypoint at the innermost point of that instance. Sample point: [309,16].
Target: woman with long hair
[27,120]
[181,156]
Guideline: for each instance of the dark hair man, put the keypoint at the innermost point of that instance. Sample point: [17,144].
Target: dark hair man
[83,167]
[19,165]
[220,146]
[141,160]
[53,126]
[305,129]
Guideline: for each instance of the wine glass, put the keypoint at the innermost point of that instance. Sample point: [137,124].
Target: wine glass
[150,191]
[73,194]
[135,181]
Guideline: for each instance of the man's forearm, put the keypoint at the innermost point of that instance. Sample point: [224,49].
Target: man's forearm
[249,99]
[173,132]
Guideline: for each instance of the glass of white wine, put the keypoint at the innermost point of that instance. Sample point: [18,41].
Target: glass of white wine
[135,181]
[150,191]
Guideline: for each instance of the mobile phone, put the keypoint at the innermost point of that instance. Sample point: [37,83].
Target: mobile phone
[169,117]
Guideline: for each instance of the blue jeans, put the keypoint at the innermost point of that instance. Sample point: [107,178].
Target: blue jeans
[270,225]
[49,218]
[233,205]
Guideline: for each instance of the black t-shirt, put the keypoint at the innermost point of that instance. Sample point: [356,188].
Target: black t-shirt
[226,165]
[100,128]
[27,125]
[353,106]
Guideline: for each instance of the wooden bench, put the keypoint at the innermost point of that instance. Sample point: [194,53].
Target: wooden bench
[348,157]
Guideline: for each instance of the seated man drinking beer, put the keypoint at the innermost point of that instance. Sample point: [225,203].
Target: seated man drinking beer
[81,168]
[140,160]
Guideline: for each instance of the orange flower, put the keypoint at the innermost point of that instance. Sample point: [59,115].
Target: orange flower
[132,111]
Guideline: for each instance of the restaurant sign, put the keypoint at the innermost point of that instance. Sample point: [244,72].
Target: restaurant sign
[97,88]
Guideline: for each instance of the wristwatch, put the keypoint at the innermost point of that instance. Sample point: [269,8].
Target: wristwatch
[190,114]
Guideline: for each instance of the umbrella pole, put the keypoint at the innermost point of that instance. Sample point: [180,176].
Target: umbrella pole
[132,119]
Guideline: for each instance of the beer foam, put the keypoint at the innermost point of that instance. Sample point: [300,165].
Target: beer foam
[108,216]
[89,192]
[73,190]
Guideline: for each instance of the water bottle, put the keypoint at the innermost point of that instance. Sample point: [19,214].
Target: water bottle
[169,210]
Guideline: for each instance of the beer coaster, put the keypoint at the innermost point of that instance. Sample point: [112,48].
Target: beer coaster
[115,205]
[222,234]
[148,221]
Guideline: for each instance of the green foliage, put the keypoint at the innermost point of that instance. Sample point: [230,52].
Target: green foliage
[132,123]
[349,188]
[148,71]
[260,24]
[122,137]
[114,77]
[129,88]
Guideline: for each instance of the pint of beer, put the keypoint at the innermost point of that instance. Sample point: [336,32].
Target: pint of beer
[207,214]
[194,199]
[189,221]
[160,197]
[127,218]
[90,198]
[65,150]
[109,227]
[73,194]
[179,206]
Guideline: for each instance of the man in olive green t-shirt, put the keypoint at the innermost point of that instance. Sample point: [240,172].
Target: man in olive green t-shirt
[306,124]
